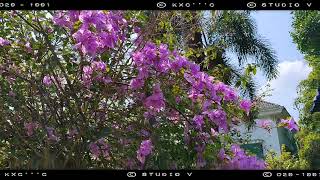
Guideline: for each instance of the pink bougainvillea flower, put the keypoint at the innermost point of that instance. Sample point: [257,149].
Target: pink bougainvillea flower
[99,66]
[156,101]
[61,19]
[98,148]
[95,150]
[194,95]
[51,133]
[198,121]
[178,99]
[201,162]
[28,47]
[240,160]
[104,148]
[47,80]
[265,124]
[144,150]
[30,127]
[136,83]
[219,117]
[245,105]
[4,42]
[222,154]
[290,124]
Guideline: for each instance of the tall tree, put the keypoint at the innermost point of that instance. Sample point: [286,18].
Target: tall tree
[306,34]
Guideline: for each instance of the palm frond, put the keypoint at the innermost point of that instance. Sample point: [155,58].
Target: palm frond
[236,30]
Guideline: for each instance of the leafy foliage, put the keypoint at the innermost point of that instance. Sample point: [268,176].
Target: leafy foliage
[89,90]
[306,35]
[286,161]
[309,144]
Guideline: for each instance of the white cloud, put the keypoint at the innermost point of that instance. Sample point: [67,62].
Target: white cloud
[285,86]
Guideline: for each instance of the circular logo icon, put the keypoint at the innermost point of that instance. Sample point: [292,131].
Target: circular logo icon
[161,5]
[252,5]
[131,174]
[267,174]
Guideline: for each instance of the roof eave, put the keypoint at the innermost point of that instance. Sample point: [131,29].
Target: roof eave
[274,112]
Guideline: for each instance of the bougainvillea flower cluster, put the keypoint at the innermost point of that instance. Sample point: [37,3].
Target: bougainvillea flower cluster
[240,160]
[290,124]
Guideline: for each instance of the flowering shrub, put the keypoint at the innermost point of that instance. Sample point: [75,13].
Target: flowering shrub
[289,124]
[265,124]
[240,160]
[89,92]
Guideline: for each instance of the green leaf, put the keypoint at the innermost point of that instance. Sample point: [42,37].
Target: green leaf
[105,132]
[254,71]
[77,25]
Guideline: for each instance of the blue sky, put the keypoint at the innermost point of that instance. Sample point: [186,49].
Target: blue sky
[275,26]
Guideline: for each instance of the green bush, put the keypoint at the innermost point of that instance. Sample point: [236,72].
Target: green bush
[309,143]
[285,161]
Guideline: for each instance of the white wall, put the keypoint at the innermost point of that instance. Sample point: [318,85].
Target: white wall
[270,141]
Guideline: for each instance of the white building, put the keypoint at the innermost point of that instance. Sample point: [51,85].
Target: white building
[259,140]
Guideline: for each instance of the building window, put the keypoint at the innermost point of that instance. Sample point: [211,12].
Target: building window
[254,148]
